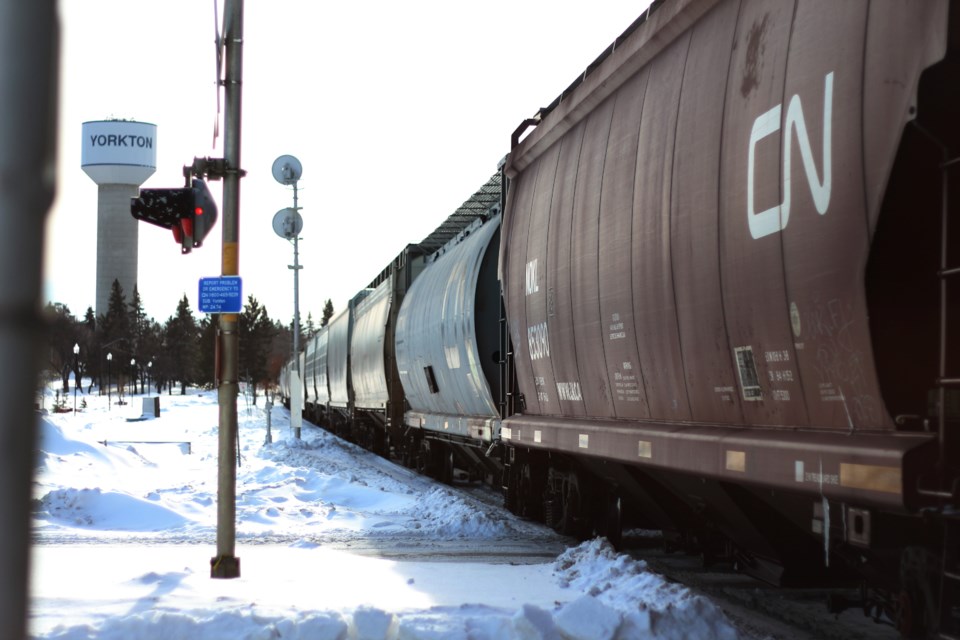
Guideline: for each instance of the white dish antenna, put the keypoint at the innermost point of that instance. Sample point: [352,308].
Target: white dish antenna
[287,223]
[287,170]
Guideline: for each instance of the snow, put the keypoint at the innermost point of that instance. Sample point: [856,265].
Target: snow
[334,543]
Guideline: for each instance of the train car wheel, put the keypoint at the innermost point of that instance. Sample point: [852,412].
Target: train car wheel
[571,519]
[422,458]
[916,610]
[611,524]
[447,468]
[530,499]
[509,483]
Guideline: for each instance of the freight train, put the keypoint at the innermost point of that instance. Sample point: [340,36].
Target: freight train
[713,289]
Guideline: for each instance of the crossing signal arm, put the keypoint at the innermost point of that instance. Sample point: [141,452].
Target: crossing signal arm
[190,212]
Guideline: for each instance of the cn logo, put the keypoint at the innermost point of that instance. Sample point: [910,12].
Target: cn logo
[775,218]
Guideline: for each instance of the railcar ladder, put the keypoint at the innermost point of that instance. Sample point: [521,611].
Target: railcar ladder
[949,609]
[947,484]
[948,440]
[950,579]
[948,491]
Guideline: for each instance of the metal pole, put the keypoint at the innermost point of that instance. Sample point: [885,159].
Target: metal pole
[269,411]
[296,307]
[29,40]
[225,564]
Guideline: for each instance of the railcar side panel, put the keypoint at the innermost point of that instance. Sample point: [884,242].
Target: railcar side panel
[695,248]
[310,371]
[367,363]
[284,382]
[301,359]
[752,278]
[338,354]
[535,289]
[557,279]
[653,286]
[527,342]
[826,238]
[623,363]
[322,384]
[441,349]
[595,384]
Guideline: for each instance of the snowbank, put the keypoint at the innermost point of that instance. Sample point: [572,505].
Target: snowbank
[125,532]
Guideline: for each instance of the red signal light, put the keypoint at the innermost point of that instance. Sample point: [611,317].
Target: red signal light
[190,212]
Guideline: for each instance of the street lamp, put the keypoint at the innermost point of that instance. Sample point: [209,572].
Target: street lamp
[149,380]
[76,374]
[133,377]
[109,376]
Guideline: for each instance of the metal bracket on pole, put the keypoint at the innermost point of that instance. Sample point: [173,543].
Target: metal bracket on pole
[210,168]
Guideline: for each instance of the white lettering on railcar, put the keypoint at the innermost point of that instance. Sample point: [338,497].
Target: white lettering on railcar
[626,385]
[815,477]
[532,285]
[541,384]
[774,219]
[777,356]
[569,391]
[538,341]
[616,327]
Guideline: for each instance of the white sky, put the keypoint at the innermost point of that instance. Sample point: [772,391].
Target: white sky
[398,112]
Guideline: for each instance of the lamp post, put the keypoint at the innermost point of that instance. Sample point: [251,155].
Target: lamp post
[133,377]
[109,376]
[149,380]
[76,374]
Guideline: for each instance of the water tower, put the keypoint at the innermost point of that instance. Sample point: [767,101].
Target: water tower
[119,155]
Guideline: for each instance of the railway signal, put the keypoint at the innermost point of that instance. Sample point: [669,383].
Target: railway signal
[190,212]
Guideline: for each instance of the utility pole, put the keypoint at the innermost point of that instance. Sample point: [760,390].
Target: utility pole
[226,564]
[29,70]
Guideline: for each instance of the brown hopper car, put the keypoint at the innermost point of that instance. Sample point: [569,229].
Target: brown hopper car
[722,265]
[729,262]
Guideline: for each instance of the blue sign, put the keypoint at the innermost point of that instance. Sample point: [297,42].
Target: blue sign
[221,295]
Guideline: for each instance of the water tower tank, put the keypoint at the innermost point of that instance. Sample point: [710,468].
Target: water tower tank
[119,155]
[119,151]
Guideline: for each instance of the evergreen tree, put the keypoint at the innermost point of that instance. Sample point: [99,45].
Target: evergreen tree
[138,329]
[89,348]
[181,334]
[206,351]
[64,334]
[152,356]
[115,324]
[279,351]
[327,313]
[311,328]
[256,334]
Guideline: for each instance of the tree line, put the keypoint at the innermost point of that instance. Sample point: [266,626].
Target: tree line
[126,347]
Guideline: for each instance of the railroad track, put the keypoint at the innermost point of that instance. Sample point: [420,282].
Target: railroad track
[759,609]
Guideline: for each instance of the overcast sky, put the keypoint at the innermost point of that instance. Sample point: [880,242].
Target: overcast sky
[398,112]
